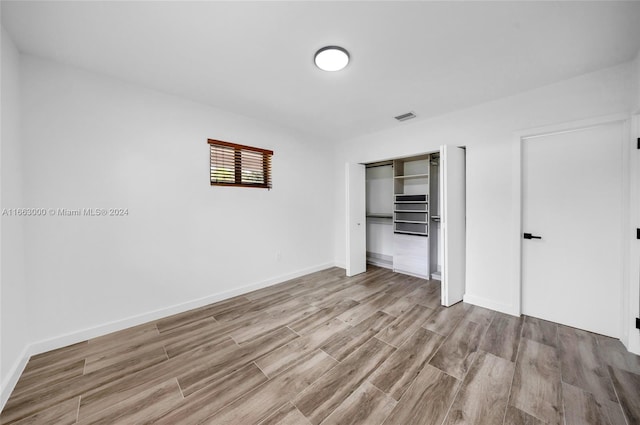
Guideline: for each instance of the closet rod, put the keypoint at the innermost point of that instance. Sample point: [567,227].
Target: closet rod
[379,164]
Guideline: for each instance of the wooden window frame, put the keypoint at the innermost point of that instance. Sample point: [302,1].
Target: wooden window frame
[238,167]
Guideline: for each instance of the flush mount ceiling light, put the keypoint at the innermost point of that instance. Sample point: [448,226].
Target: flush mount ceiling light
[331,58]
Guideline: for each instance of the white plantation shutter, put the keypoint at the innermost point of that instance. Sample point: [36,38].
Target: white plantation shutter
[239,165]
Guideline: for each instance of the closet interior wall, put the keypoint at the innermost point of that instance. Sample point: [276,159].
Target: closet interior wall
[379,210]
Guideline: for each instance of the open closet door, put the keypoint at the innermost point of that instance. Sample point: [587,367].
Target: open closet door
[452,225]
[356,224]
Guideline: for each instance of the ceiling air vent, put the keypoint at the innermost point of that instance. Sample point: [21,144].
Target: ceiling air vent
[406,116]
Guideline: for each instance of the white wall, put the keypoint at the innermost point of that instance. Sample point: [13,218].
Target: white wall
[96,142]
[14,332]
[488,132]
[379,200]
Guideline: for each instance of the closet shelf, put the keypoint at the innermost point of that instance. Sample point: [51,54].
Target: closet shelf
[411,202]
[403,232]
[374,215]
[412,176]
[411,221]
[411,211]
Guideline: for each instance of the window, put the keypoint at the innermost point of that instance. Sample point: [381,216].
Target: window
[238,165]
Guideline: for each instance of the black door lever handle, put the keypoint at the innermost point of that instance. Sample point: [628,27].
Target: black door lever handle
[530,236]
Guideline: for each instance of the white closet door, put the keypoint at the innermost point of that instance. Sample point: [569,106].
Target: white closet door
[356,216]
[453,223]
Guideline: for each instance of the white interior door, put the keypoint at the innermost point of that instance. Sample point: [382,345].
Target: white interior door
[572,200]
[356,224]
[452,223]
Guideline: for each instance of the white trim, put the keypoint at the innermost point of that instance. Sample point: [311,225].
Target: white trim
[516,207]
[570,126]
[117,325]
[379,262]
[14,374]
[490,304]
[631,337]
[625,220]
[516,202]
[419,276]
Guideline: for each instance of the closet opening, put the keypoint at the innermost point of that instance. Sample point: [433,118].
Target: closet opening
[409,214]
[402,216]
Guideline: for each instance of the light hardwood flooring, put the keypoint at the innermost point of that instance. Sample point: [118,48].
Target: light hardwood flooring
[326,349]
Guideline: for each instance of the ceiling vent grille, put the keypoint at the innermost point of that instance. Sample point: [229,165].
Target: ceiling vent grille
[404,117]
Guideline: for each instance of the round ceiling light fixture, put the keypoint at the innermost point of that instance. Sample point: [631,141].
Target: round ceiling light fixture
[331,58]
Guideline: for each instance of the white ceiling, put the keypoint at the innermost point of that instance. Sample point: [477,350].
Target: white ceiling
[256,58]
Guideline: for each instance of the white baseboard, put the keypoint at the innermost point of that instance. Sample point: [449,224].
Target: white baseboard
[14,374]
[492,305]
[64,340]
[633,343]
[380,264]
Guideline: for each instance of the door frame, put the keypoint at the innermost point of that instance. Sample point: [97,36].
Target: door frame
[517,198]
[632,300]
[346,206]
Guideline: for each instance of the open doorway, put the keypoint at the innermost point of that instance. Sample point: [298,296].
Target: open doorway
[414,215]
[399,205]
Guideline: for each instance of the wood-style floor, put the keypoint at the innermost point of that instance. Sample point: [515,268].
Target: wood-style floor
[326,349]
